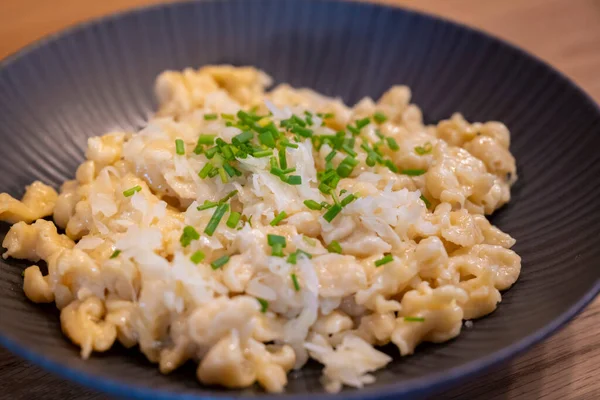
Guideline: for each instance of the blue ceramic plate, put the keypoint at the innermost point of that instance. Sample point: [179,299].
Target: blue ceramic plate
[99,76]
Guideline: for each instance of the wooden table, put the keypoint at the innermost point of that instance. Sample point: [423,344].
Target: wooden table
[565,33]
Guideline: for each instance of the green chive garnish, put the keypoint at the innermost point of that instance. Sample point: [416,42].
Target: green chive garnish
[413,172]
[229,196]
[313,205]
[197,257]
[207,204]
[130,192]
[242,138]
[332,212]
[115,254]
[282,158]
[427,202]
[179,147]
[334,247]
[264,305]
[278,218]
[223,175]
[189,234]
[414,319]
[233,219]
[295,282]
[210,117]
[206,139]
[387,259]
[391,166]
[330,155]
[219,262]
[215,219]
[229,117]
[294,180]
[425,149]
[262,153]
[392,144]
[380,118]
[347,200]
[361,123]
[276,239]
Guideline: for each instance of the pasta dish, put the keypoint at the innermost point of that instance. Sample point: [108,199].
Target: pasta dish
[250,231]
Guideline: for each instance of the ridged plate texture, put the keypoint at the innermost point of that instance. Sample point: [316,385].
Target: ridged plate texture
[99,76]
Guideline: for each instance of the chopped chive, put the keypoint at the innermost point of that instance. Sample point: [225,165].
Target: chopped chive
[262,153]
[228,196]
[325,189]
[293,258]
[242,138]
[343,191]
[294,180]
[332,212]
[295,282]
[413,172]
[276,239]
[313,205]
[425,149]
[282,158]
[344,170]
[325,205]
[207,204]
[233,219]
[379,117]
[219,262]
[197,257]
[115,253]
[387,259]
[189,234]
[250,221]
[414,319]
[277,250]
[227,152]
[347,200]
[267,139]
[210,153]
[330,155]
[277,172]
[210,117]
[392,144]
[334,247]
[278,218]
[213,223]
[350,151]
[391,166]
[326,115]
[288,144]
[206,139]
[353,130]
[361,123]
[213,172]
[264,305]
[130,192]
[229,117]
[223,175]
[427,202]
[329,174]
[229,169]
[309,241]
[289,170]
[179,147]
[302,131]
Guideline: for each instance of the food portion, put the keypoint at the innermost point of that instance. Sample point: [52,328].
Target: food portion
[250,231]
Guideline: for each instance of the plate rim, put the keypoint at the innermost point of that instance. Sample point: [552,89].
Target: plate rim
[418,386]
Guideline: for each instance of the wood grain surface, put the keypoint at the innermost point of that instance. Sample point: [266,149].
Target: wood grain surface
[565,33]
